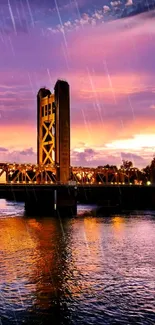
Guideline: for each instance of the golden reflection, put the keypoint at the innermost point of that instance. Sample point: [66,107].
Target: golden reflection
[34,224]
[52,260]
[13,236]
[47,262]
[91,229]
[28,257]
[91,251]
[16,255]
[118,223]
[87,251]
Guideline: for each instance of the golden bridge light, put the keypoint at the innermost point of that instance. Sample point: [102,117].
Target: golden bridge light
[79,176]
[16,173]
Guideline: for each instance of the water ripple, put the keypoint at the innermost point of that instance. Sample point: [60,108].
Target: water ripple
[82,271]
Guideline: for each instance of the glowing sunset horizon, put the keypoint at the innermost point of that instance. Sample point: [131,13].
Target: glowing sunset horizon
[105,52]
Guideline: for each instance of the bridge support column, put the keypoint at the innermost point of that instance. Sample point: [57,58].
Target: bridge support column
[58,201]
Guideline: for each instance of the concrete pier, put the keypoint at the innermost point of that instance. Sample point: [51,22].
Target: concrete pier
[57,201]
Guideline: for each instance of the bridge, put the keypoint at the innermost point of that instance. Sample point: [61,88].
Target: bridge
[47,174]
[53,184]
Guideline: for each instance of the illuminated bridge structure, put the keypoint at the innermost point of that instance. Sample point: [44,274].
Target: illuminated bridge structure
[53,184]
[53,150]
[47,174]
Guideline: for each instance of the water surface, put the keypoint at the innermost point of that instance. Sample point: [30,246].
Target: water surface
[84,270]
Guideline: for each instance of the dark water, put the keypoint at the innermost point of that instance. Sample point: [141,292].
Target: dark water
[76,271]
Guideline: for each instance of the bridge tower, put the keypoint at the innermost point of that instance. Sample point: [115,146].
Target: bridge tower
[45,127]
[62,134]
[53,129]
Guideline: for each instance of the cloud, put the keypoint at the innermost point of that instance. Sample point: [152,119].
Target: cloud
[86,156]
[115,151]
[85,20]
[19,156]
[116,10]
[3,149]
[137,160]
[92,158]
[27,152]
[23,17]
[116,3]
[129,3]
[106,9]
[138,142]
[101,156]
[128,155]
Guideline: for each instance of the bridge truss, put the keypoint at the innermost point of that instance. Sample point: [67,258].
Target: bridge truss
[46,174]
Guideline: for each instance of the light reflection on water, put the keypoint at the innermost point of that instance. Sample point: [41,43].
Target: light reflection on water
[78,271]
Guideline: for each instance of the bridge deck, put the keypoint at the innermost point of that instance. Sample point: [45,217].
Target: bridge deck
[22,187]
[127,197]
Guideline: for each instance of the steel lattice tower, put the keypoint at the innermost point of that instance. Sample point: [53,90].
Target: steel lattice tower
[45,127]
[53,127]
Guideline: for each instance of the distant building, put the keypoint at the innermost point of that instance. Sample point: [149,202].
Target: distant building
[53,129]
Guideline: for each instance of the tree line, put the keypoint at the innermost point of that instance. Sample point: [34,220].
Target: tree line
[145,175]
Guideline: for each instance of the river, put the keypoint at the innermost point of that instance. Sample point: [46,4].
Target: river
[84,270]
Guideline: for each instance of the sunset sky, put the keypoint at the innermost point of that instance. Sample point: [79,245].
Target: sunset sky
[106,51]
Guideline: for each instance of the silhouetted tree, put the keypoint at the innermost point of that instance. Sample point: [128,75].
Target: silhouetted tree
[149,171]
[126,164]
[108,166]
[152,170]
[153,162]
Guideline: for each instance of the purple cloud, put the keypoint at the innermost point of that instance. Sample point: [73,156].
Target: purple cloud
[3,149]
[20,156]
[109,66]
